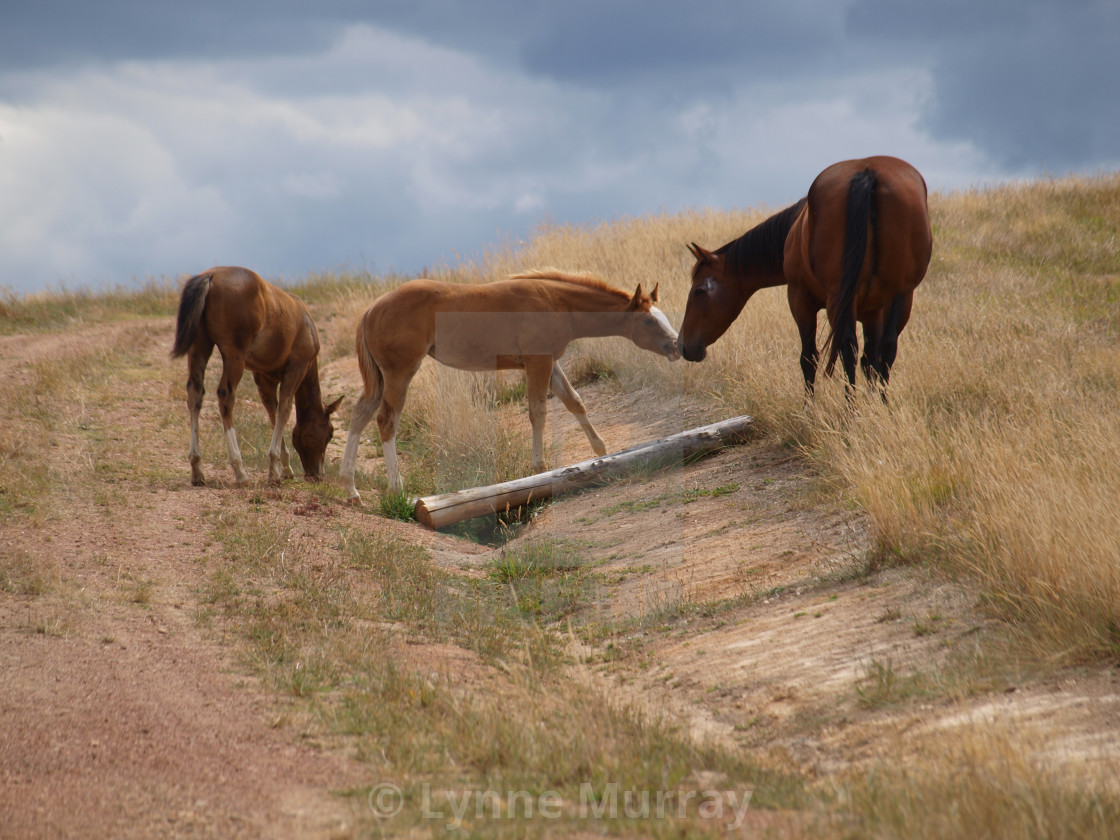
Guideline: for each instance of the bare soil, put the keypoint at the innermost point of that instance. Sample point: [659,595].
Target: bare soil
[739,592]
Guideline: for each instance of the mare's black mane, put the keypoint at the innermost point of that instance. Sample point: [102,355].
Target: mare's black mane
[762,248]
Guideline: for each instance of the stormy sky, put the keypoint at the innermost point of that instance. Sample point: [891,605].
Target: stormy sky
[146,140]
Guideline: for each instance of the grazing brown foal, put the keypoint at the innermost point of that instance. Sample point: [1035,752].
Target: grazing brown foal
[262,328]
[857,246]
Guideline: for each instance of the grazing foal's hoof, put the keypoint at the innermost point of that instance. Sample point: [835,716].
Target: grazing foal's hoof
[198,481]
[355,500]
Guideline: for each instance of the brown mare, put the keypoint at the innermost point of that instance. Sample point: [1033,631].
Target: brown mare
[260,327]
[857,246]
[524,322]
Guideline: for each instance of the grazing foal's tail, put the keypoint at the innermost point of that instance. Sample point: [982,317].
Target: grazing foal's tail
[860,223]
[191,304]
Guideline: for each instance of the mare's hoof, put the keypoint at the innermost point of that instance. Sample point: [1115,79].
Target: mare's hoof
[198,481]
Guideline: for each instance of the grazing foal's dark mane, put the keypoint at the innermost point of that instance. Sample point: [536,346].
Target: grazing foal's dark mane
[762,248]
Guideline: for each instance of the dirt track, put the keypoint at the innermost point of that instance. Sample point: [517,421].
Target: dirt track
[124,716]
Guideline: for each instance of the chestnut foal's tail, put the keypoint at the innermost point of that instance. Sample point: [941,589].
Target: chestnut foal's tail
[191,304]
[372,381]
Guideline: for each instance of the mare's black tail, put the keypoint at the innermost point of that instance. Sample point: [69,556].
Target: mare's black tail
[860,224]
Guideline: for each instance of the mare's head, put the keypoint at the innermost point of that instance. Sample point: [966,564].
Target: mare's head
[648,327]
[712,304]
[311,434]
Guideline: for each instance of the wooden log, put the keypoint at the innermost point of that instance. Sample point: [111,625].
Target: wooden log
[449,508]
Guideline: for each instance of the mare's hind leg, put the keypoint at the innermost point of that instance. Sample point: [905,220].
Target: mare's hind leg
[233,366]
[197,358]
[849,346]
[562,388]
[869,362]
[896,319]
[266,387]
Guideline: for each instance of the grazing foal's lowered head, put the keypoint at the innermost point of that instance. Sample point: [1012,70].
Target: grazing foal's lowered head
[311,434]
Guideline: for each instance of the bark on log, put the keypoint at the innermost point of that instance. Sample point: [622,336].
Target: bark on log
[449,508]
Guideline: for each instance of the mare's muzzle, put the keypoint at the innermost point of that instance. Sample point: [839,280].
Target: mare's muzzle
[693,351]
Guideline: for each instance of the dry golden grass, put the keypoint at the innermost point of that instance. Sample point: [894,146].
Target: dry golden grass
[999,454]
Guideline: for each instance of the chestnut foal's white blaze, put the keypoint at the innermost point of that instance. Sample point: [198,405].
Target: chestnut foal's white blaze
[525,322]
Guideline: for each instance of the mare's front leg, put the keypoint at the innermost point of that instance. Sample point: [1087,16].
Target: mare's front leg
[197,358]
[267,388]
[562,388]
[538,372]
[233,366]
[804,308]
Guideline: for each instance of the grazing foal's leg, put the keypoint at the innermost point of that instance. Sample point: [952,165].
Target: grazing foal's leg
[266,387]
[562,388]
[233,366]
[277,454]
[197,358]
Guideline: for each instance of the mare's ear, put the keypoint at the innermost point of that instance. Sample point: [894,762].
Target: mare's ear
[653,295]
[700,253]
[333,407]
[636,300]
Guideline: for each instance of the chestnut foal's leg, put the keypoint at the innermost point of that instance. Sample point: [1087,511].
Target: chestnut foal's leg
[538,373]
[364,410]
[394,390]
[563,389]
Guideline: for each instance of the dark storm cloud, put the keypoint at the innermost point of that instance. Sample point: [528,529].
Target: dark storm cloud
[586,41]
[1031,83]
[46,33]
[141,138]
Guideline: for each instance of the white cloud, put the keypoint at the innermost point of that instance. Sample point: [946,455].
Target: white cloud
[386,148]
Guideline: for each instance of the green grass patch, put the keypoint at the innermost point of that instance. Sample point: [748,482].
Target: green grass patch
[397,506]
